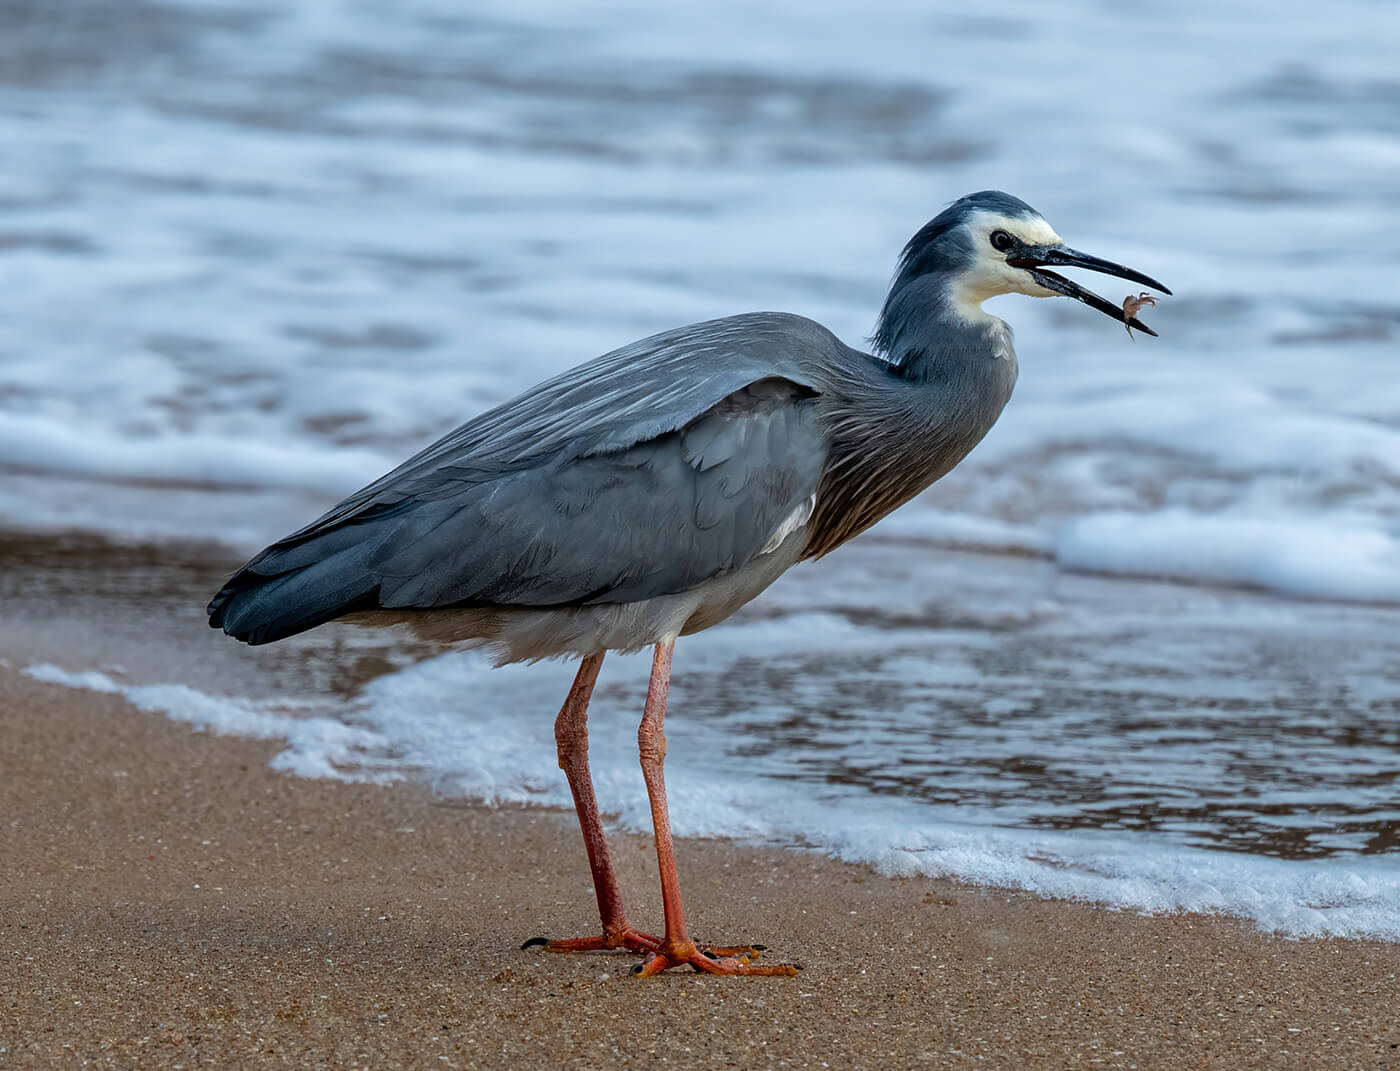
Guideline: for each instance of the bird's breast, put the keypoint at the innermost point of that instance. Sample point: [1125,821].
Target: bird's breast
[889,441]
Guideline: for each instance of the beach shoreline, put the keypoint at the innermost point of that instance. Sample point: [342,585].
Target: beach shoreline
[169,899]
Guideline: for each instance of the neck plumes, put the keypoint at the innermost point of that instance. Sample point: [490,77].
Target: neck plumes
[902,419]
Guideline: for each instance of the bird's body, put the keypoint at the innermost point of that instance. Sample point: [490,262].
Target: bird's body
[649,493]
[652,492]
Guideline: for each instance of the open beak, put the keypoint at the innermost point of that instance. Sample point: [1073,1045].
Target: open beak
[1033,259]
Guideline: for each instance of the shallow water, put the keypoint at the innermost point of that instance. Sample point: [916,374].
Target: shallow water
[252,257]
[1150,745]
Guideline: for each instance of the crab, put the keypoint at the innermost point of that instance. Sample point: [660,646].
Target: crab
[1130,307]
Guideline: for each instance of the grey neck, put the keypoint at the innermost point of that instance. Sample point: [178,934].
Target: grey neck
[922,337]
[901,420]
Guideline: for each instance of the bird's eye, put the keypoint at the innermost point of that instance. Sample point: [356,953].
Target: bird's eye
[1001,241]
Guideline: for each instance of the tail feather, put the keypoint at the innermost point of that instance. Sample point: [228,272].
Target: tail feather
[262,602]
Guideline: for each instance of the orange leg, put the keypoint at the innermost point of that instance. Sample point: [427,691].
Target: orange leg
[677,947]
[571,736]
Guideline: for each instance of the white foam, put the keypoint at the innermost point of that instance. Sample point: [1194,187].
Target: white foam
[317,745]
[34,443]
[501,750]
[1289,555]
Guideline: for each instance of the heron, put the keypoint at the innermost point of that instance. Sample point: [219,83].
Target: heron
[652,492]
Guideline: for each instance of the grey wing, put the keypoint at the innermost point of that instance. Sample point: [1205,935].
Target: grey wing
[655,518]
[640,474]
[625,397]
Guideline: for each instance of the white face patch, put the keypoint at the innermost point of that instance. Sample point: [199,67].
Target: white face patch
[990,274]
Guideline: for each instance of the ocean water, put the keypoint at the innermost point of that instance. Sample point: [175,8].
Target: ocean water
[254,254]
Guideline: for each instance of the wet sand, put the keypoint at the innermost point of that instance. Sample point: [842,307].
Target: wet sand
[167,899]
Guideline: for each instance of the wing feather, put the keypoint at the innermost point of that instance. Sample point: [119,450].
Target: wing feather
[615,527]
[642,473]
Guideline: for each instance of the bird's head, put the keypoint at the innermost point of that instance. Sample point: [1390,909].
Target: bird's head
[991,243]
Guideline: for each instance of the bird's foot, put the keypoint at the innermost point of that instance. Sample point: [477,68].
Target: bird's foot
[634,940]
[623,936]
[709,959]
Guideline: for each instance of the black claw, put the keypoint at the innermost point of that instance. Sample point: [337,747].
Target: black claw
[798,966]
[533,941]
[637,969]
[759,948]
[709,955]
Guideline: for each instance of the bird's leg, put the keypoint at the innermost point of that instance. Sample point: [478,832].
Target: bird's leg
[677,947]
[571,736]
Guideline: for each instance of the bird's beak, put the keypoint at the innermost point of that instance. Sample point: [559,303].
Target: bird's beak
[1033,259]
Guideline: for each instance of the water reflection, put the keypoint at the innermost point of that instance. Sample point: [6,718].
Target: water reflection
[1232,721]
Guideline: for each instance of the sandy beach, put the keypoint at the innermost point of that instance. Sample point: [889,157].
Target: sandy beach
[168,900]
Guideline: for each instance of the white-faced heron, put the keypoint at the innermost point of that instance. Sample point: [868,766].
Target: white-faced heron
[652,492]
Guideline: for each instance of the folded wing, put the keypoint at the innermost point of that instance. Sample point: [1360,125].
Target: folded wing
[643,473]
